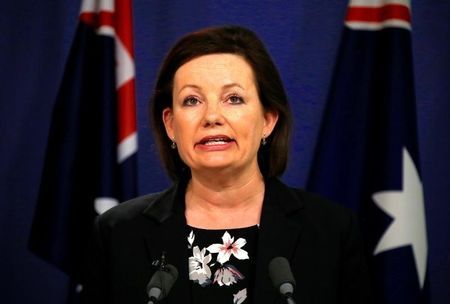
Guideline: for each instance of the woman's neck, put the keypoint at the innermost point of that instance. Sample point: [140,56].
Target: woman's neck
[219,202]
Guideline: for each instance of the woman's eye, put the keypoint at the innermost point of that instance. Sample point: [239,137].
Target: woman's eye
[235,99]
[190,101]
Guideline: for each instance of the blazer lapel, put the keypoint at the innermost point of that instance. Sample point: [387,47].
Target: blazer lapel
[278,236]
[170,236]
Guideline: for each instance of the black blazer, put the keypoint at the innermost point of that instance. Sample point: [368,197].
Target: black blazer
[319,238]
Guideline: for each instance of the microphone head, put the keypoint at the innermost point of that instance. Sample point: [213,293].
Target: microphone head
[163,280]
[173,276]
[280,273]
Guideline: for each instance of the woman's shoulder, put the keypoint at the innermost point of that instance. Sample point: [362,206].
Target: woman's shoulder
[326,219]
[132,209]
[311,205]
[306,199]
[319,203]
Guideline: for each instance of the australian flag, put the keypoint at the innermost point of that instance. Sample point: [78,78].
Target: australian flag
[367,155]
[90,161]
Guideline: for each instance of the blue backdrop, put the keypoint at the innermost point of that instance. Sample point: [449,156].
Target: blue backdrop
[303,38]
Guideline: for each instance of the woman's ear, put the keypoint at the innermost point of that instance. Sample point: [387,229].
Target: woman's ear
[167,117]
[270,121]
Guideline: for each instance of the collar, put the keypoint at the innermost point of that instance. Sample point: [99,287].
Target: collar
[277,196]
[164,205]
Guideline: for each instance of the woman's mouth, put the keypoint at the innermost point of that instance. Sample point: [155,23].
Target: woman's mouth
[215,141]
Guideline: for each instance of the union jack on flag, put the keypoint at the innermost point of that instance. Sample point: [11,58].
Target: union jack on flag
[90,161]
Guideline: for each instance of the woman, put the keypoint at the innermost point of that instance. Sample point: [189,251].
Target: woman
[222,123]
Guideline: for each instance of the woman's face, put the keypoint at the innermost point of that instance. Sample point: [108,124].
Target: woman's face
[217,119]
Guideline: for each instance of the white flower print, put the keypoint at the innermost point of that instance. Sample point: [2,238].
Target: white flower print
[199,270]
[240,296]
[191,239]
[228,248]
[227,275]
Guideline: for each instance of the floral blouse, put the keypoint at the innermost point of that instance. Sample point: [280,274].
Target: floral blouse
[222,264]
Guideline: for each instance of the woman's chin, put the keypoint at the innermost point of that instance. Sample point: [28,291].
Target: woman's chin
[216,166]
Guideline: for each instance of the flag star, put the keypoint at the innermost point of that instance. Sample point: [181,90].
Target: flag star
[406,207]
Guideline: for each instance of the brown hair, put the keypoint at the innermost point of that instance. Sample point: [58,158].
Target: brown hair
[272,157]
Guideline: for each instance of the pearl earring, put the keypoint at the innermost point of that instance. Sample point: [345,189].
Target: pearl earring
[263,140]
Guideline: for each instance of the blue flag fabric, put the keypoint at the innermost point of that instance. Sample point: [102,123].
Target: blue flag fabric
[90,161]
[367,154]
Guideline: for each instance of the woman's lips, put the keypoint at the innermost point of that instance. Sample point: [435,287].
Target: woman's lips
[215,143]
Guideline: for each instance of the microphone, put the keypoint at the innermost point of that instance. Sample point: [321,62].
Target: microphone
[281,275]
[161,283]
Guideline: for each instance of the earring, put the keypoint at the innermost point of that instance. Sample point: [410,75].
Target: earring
[264,140]
[173,145]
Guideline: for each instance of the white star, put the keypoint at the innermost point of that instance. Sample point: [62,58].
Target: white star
[406,207]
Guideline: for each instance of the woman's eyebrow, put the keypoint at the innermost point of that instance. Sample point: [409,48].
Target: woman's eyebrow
[234,84]
[193,86]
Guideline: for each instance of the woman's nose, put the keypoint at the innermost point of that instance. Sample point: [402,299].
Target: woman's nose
[213,114]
